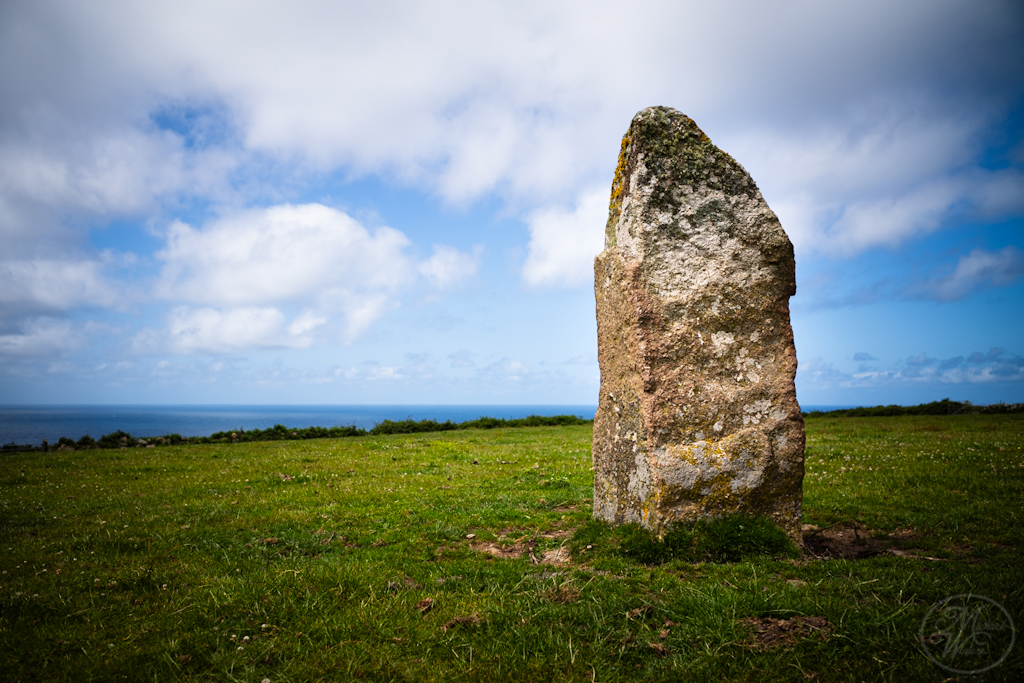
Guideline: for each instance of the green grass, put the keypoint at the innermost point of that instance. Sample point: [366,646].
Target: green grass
[307,560]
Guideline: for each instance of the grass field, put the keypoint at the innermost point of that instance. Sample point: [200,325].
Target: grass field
[437,557]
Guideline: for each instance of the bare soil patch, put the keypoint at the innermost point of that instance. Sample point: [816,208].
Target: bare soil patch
[768,632]
[509,547]
[516,551]
[526,547]
[853,542]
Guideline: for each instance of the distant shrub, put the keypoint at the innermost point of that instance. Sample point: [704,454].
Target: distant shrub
[943,407]
[528,421]
[412,427]
[279,432]
[118,439]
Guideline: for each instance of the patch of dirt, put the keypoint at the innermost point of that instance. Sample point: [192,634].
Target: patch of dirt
[561,594]
[659,649]
[444,579]
[558,533]
[403,583]
[852,542]
[547,574]
[469,620]
[521,534]
[513,532]
[524,546]
[769,632]
[516,551]
[559,555]
[639,612]
[513,551]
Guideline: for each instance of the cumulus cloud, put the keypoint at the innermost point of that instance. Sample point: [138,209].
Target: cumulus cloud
[40,337]
[505,370]
[994,366]
[53,285]
[310,256]
[564,242]
[212,331]
[462,358]
[878,177]
[447,266]
[997,365]
[582,359]
[529,99]
[281,253]
[979,269]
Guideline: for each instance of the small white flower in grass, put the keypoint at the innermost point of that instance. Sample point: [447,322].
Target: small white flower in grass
[245,639]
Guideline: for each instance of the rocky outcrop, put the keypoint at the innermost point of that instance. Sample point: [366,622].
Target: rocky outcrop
[697,415]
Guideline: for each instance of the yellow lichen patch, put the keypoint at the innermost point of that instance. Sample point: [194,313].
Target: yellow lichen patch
[619,182]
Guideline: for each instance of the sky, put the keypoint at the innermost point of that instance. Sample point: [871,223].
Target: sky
[400,202]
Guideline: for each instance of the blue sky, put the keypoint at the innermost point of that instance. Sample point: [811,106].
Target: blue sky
[398,202]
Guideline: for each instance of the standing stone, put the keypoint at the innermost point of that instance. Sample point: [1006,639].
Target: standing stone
[697,415]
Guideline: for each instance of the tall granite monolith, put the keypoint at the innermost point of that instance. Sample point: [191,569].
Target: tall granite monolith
[697,416]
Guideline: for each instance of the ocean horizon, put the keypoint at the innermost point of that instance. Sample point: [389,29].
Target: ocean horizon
[30,424]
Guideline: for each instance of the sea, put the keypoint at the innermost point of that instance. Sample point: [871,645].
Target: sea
[29,425]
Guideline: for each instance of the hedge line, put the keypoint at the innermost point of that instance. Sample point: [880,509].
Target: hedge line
[122,439]
[943,407]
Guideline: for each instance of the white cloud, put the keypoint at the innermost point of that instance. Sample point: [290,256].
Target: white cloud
[384,373]
[506,369]
[463,358]
[526,99]
[879,176]
[206,330]
[282,253]
[361,313]
[306,255]
[41,337]
[996,365]
[35,285]
[563,243]
[978,269]
[582,359]
[307,321]
[447,267]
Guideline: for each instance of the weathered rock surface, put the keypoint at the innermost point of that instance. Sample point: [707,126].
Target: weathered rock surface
[697,415]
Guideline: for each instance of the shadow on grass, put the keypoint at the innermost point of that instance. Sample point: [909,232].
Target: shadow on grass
[725,539]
